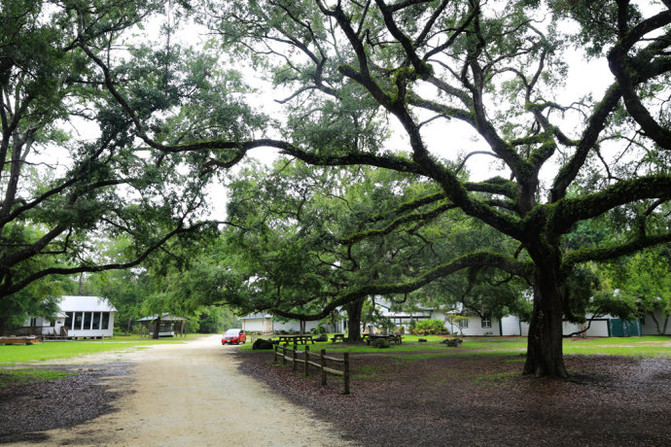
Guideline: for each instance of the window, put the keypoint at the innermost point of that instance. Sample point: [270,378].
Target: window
[88,316]
[79,319]
[96,321]
[106,321]
[68,319]
[463,324]
[486,322]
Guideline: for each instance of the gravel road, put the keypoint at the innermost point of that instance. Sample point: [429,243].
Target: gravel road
[192,395]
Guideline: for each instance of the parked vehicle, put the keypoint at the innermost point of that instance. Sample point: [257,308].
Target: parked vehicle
[232,336]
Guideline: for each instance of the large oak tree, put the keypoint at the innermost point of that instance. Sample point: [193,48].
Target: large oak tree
[494,67]
[72,175]
[353,67]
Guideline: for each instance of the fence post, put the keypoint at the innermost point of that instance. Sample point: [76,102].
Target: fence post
[323,365]
[294,357]
[307,360]
[275,354]
[346,372]
[284,353]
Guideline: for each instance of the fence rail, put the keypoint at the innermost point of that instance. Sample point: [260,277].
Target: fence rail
[288,354]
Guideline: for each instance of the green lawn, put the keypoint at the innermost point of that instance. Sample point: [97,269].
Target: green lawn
[33,354]
[12,354]
[409,350]
[622,346]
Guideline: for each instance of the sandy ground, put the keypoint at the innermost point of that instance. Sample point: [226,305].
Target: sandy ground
[193,395]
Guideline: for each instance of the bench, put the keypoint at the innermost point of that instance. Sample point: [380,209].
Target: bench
[298,339]
[338,337]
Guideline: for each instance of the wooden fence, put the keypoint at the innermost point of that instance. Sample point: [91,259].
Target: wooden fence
[292,355]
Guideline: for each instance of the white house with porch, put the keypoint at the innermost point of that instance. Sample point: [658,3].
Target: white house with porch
[77,317]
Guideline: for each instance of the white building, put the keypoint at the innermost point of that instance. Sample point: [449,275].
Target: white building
[77,317]
[469,325]
[655,323]
[601,326]
[267,324]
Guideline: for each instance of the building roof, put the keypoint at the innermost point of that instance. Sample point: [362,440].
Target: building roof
[164,316]
[256,316]
[78,303]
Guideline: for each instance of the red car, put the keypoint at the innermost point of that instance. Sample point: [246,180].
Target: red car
[236,336]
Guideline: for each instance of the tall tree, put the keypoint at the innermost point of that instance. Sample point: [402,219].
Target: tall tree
[298,236]
[496,68]
[71,172]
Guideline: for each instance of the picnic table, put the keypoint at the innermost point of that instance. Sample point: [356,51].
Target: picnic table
[394,338]
[19,340]
[338,337]
[298,339]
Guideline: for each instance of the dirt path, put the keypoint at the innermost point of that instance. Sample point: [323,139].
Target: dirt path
[192,394]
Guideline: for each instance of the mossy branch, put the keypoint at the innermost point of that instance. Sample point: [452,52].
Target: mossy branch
[414,217]
[614,251]
[481,259]
[567,212]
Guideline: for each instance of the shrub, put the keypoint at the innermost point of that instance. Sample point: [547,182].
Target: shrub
[380,343]
[429,326]
[263,344]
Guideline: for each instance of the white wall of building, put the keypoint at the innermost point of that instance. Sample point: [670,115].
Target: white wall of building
[253,325]
[648,326]
[294,325]
[476,327]
[511,326]
[265,324]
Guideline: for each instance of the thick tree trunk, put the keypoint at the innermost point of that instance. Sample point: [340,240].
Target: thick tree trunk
[157,326]
[661,330]
[544,346]
[354,310]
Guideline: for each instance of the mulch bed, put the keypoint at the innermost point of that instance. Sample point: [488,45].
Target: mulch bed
[26,410]
[400,399]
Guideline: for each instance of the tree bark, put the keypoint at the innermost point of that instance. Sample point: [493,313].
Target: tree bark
[652,315]
[544,344]
[354,310]
[157,326]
